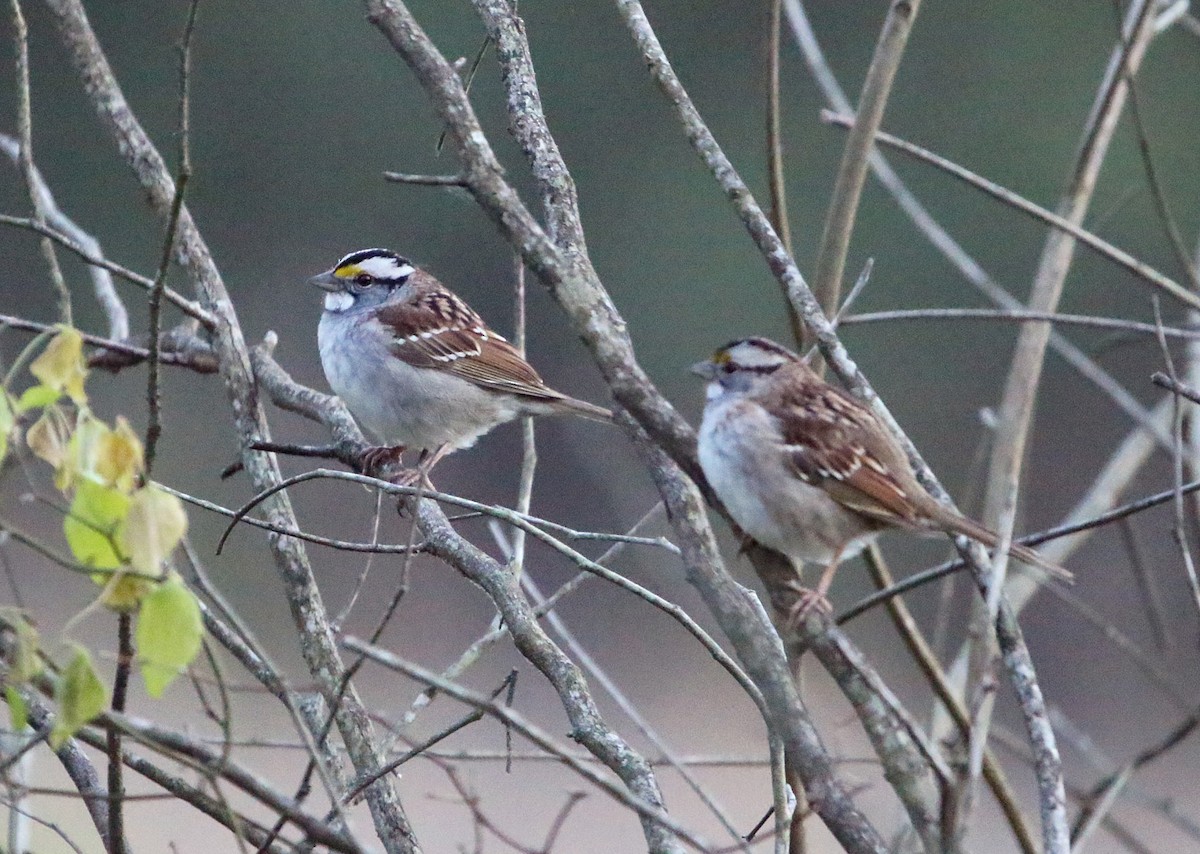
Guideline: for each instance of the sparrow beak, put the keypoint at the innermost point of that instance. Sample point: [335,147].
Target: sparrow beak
[327,281]
[705,369]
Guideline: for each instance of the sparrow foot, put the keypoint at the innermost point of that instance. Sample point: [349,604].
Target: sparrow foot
[808,601]
[376,461]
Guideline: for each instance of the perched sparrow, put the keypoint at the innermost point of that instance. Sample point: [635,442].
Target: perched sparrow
[416,366]
[807,470]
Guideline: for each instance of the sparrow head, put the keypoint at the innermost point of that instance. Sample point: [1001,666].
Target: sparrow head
[743,365]
[365,277]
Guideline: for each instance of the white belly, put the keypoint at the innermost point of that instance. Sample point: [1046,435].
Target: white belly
[419,408]
[766,499]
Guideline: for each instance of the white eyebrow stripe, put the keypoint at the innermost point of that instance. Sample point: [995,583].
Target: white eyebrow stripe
[385,267]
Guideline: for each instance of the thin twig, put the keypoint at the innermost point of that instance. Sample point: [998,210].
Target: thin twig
[917,579]
[515,720]
[1172,384]
[852,171]
[200,360]
[116,785]
[1179,530]
[529,455]
[1147,586]
[775,175]
[1100,246]
[102,283]
[28,170]
[341,545]
[1157,193]
[1018,315]
[927,661]
[154,417]
[93,257]
[360,786]
[425,180]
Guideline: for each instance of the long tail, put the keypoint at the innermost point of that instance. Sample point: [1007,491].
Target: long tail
[971,528]
[583,408]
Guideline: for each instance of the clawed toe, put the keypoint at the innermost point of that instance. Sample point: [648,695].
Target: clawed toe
[413,477]
[377,460]
[807,602]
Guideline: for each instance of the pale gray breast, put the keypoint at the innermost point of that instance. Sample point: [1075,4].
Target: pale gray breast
[419,408]
[740,449]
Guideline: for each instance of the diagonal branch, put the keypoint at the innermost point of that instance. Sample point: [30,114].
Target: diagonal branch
[852,172]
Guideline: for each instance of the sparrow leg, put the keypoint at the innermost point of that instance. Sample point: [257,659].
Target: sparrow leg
[808,600]
[376,460]
[425,463]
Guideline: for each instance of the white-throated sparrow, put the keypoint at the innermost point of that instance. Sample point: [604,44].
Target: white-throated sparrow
[417,366]
[807,470]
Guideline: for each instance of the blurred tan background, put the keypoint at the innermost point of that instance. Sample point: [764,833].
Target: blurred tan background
[298,108]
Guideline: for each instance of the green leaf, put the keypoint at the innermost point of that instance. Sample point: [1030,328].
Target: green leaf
[7,419]
[92,523]
[169,631]
[80,697]
[152,528]
[37,397]
[26,662]
[17,713]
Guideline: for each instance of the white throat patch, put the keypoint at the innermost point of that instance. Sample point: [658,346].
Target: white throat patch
[338,302]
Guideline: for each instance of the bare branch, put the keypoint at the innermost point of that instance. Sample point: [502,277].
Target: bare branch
[92,256]
[102,283]
[28,170]
[308,610]
[775,176]
[1019,315]
[154,417]
[946,244]
[651,812]
[425,180]
[1070,230]
[189,352]
[852,172]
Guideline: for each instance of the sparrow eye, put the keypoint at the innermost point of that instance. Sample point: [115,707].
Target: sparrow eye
[364,279]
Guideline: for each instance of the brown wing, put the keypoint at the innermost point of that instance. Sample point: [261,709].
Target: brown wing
[438,330]
[832,441]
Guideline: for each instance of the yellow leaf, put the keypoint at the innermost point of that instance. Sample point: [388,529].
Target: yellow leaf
[61,365]
[45,438]
[123,591]
[83,449]
[152,528]
[118,456]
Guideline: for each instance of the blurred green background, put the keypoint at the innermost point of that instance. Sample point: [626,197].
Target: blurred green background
[297,109]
